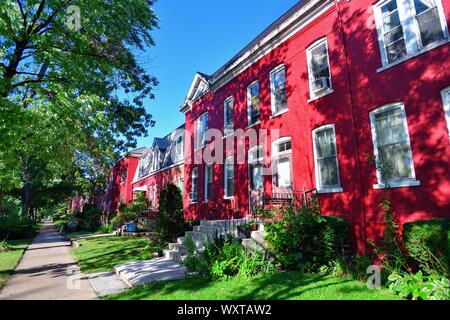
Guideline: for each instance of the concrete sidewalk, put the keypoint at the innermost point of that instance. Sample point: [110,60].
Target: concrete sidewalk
[48,272]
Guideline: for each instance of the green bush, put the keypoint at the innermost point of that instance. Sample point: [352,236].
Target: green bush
[303,239]
[427,243]
[419,286]
[170,218]
[223,259]
[14,227]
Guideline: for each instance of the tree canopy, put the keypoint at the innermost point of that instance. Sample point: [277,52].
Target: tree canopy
[71,88]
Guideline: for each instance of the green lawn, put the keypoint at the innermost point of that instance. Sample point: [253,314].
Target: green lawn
[276,286]
[102,254]
[9,260]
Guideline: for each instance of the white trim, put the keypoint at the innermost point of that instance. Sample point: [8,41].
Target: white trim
[205,188]
[413,55]
[275,70]
[151,174]
[313,46]
[249,109]
[140,189]
[226,178]
[225,102]
[253,149]
[411,32]
[202,143]
[326,189]
[280,141]
[446,103]
[394,183]
[195,169]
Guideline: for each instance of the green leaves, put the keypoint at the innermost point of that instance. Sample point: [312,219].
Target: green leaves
[72,97]
[419,286]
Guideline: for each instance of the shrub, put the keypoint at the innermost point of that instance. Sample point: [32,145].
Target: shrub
[4,246]
[419,286]
[303,239]
[427,243]
[106,228]
[14,227]
[223,259]
[170,218]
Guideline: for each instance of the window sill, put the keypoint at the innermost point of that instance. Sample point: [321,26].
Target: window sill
[228,136]
[328,92]
[397,184]
[228,198]
[253,125]
[193,202]
[275,115]
[412,55]
[329,190]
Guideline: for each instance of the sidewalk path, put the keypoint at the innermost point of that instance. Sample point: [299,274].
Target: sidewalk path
[48,272]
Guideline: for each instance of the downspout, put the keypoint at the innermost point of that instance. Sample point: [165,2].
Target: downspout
[355,138]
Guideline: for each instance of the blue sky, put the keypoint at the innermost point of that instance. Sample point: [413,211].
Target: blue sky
[198,35]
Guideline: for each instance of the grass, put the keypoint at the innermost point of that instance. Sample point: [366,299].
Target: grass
[102,254]
[275,286]
[10,259]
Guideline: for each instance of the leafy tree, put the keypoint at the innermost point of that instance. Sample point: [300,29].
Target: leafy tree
[170,218]
[71,89]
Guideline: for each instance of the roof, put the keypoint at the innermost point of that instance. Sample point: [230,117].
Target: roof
[160,143]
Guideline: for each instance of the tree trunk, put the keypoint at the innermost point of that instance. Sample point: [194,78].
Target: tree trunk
[26,199]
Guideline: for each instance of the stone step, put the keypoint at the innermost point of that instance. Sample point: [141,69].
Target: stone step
[259,237]
[141,272]
[252,245]
[173,255]
[180,240]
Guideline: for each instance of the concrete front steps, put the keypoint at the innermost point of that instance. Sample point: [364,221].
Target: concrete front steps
[202,234]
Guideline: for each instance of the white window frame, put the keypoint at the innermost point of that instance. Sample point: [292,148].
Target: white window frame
[276,155]
[313,46]
[446,103]
[194,200]
[249,103]
[200,136]
[395,183]
[326,189]
[274,71]
[206,195]
[411,33]
[227,163]
[257,161]
[226,130]
[179,148]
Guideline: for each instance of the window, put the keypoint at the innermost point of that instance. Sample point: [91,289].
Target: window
[255,159]
[326,160]
[395,167]
[208,182]
[278,89]
[201,129]
[408,26]
[229,178]
[194,191]
[319,69]
[180,185]
[254,111]
[179,149]
[123,176]
[282,173]
[228,116]
[446,102]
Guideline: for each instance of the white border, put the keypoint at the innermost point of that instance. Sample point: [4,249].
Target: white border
[326,189]
[249,103]
[225,184]
[313,46]
[395,183]
[275,70]
[446,103]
